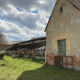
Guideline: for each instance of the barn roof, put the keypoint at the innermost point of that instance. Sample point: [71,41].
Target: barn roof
[32,40]
[75,3]
[30,44]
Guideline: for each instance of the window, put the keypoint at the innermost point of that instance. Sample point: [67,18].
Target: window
[61,9]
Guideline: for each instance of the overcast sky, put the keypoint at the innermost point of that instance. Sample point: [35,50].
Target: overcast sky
[21,20]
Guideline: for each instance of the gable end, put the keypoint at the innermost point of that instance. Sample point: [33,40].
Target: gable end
[75,3]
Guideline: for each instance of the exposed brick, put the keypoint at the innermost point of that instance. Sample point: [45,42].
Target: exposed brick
[50,58]
[67,60]
[64,61]
[76,61]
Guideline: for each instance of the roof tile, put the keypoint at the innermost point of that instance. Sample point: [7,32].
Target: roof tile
[76,3]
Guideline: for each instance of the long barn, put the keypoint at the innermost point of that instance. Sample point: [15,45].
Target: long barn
[34,47]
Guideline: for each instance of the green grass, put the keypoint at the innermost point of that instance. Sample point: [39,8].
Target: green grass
[2,52]
[32,69]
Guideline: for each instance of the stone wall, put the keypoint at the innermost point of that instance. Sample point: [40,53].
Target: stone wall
[64,25]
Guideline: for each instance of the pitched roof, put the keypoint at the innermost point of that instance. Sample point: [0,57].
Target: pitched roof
[75,3]
[30,44]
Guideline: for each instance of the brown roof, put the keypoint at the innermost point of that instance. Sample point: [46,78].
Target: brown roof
[76,3]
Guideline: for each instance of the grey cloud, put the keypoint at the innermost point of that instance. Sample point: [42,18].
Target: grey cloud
[25,20]
[27,4]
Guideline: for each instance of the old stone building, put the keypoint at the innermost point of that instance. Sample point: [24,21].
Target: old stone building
[63,35]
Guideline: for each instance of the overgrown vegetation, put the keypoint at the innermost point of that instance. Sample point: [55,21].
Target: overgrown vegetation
[32,69]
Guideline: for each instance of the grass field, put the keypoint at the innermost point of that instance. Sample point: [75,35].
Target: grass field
[32,69]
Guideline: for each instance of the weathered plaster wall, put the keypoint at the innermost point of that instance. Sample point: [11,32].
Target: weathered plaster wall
[64,25]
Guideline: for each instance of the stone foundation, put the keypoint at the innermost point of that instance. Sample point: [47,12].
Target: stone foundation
[50,58]
[71,62]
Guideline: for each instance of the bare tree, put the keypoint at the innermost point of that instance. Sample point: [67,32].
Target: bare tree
[2,41]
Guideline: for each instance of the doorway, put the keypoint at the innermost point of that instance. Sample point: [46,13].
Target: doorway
[62,47]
